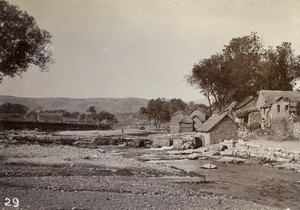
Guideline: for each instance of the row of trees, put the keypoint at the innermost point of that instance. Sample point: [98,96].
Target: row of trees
[9,108]
[160,110]
[22,110]
[243,68]
[101,116]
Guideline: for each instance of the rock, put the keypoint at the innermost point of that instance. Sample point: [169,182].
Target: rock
[209,166]
[101,150]
[193,156]
[86,157]
[67,158]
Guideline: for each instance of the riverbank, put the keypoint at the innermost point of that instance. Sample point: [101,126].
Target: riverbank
[88,176]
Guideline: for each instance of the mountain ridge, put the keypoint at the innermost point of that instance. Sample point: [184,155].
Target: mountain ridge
[112,105]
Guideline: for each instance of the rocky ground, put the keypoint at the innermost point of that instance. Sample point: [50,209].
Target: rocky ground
[43,175]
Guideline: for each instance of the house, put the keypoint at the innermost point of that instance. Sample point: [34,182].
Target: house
[32,117]
[277,108]
[245,112]
[69,120]
[50,117]
[175,120]
[10,117]
[216,129]
[198,115]
[186,125]
[228,109]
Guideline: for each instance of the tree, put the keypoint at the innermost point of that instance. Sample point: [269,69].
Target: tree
[242,69]
[22,42]
[283,68]
[106,117]
[9,108]
[92,110]
[159,110]
[213,79]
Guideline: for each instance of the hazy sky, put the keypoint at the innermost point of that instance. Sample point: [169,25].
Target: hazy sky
[143,48]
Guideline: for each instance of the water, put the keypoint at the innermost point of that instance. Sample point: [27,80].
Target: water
[269,186]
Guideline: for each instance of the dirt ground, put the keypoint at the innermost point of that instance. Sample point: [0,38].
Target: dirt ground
[35,175]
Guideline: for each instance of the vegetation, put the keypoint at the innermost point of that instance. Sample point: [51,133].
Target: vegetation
[160,110]
[22,42]
[102,116]
[9,108]
[243,68]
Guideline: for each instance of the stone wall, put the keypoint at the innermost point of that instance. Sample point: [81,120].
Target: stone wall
[281,126]
[296,129]
[289,158]
[226,129]
[254,120]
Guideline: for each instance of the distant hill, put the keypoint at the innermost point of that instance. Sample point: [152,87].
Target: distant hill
[112,105]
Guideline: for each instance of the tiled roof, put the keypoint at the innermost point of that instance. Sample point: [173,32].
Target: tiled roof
[244,102]
[211,122]
[179,112]
[187,120]
[272,95]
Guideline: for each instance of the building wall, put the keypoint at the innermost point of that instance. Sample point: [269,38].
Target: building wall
[205,137]
[197,122]
[260,101]
[280,123]
[254,120]
[174,124]
[224,130]
[197,112]
[184,127]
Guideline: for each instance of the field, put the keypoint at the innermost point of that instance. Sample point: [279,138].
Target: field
[76,170]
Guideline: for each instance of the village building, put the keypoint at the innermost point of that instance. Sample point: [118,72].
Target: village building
[49,117]
[70,120]
[186,125]
[278,110]
[228,109]
[175,121]
[10,117]
[246,113]
[198,115]
[32,117]
[217,129]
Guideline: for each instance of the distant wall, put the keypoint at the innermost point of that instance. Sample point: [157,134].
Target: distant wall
[10,125]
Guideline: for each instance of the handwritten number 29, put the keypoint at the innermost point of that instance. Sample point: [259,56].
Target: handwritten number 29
[15,202]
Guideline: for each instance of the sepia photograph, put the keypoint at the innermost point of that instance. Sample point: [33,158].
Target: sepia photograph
[149,104]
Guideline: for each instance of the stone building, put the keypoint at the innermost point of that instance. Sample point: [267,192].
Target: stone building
[216,129]
[175,120]
[278,110]
[198,115]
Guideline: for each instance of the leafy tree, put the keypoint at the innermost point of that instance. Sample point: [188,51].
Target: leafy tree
[154,108]
[106,117]
[213,79]
[9,108]
[159,110]
[92,110]
[282,69]
[22,42]
[242,69]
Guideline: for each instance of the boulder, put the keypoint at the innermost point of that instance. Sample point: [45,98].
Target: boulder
[209,166]
[193,156]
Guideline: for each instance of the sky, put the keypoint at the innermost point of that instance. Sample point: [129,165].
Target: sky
[143,48]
